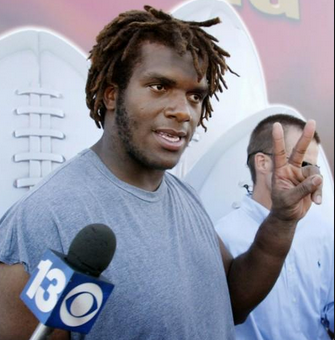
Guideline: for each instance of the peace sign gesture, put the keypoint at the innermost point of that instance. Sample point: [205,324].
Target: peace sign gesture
[294,187]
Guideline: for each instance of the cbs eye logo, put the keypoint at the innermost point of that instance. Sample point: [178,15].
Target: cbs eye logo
[79,306]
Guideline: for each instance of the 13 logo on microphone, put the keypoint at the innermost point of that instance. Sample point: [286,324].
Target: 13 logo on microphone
[62,298]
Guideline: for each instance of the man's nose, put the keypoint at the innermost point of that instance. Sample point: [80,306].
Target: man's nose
[179,109]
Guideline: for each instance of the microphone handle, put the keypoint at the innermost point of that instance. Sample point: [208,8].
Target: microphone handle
[42,333]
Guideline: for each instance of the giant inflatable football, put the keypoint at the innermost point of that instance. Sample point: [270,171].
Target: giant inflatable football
[43,117]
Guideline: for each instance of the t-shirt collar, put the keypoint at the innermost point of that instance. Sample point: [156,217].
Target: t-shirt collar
[139,193]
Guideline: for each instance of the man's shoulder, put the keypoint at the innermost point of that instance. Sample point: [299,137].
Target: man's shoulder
[178,184]
[59,183]
[237,230]
[183,188]
[226,221]
[187,196]
[239,213]
[238,222]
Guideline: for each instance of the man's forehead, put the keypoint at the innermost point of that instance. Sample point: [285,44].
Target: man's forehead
[157,58]
[292,137]
[148,46]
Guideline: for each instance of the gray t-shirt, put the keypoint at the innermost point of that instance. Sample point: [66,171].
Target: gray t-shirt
[168,273]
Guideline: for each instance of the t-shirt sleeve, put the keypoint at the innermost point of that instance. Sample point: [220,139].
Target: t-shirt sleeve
[26,232]
[9,250]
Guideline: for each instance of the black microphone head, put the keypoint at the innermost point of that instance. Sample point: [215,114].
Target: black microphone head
[92,250]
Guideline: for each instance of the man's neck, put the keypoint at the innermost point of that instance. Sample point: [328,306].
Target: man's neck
[127,170]
[262,196]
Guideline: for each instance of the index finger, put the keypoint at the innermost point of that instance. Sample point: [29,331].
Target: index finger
[300,149]
[279,147]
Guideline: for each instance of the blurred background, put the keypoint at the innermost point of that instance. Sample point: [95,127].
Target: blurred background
[295,41]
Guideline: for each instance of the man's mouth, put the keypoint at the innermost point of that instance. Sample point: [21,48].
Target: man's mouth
[171,140]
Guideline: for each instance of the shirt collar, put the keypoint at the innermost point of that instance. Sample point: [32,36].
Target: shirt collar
[255,210]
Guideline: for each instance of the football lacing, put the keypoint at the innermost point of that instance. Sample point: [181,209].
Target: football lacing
[40,134]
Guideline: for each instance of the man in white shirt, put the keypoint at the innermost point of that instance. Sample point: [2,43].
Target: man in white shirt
[301,305]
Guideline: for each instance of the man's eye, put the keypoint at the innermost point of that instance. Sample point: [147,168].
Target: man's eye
[196,98]
[158,88]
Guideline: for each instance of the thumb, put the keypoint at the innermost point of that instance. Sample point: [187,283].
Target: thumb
[308,187]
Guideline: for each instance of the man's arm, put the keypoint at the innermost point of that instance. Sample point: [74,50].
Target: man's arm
[16,320]
[252,275]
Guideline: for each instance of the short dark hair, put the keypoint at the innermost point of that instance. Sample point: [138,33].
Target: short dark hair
[117,52]
[261,137]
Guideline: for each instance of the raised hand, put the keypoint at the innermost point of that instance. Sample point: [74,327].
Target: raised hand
[294,188]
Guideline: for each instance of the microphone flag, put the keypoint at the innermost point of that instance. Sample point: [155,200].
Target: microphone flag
[64,298]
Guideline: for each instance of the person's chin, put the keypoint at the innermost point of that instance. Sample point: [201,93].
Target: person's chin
[160,160]
[166,164]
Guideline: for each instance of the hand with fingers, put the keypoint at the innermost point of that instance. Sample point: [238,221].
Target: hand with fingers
[294,187]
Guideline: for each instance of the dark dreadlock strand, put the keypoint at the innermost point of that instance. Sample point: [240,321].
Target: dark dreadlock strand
[232,72]
[219,49]
[181,43]
[131,45]
[207,23]
[158,14]
[209,36]
[195,51]
[116,54]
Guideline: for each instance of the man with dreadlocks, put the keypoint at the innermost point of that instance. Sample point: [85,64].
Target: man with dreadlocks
[149,87]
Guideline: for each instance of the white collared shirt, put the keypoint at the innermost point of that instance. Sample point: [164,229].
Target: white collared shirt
[303,296]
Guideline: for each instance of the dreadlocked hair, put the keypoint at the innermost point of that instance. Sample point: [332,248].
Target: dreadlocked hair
[116,53]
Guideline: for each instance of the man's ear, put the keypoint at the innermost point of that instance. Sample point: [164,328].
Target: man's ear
[263,163]
[110,96]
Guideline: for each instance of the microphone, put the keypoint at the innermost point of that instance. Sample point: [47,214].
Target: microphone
[68,292]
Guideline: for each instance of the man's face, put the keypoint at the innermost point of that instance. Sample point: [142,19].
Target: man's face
[156,116]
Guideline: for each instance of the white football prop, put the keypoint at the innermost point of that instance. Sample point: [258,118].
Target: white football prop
[44,120]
